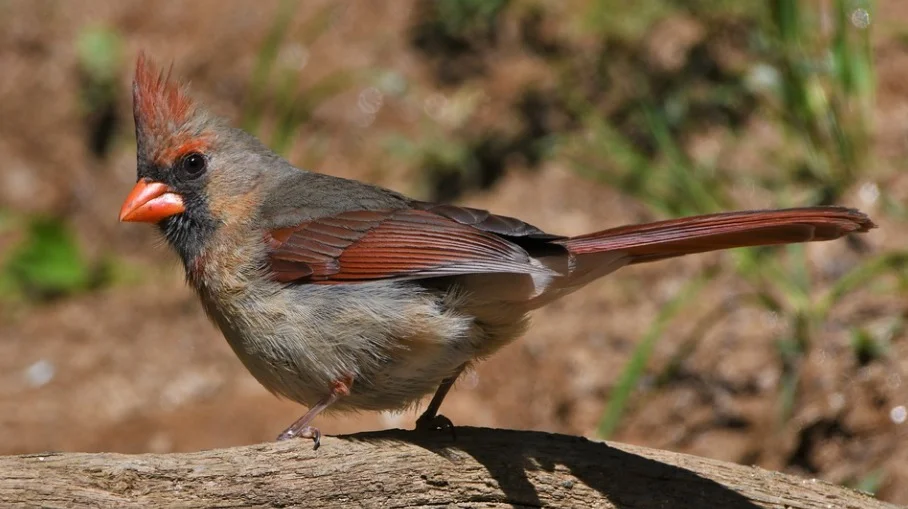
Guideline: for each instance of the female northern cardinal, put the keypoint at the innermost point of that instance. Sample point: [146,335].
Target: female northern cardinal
[337,293]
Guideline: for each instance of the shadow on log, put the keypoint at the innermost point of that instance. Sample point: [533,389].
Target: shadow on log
[481,468]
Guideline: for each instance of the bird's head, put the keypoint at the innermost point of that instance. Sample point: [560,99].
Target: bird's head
[195,172]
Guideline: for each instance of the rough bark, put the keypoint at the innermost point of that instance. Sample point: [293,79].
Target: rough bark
[480,468]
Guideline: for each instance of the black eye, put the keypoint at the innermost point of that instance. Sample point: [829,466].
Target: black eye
[193,165]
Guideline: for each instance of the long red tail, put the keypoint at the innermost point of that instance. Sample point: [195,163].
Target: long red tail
[699,234]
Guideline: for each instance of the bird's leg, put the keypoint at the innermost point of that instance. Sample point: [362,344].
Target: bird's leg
[431,419]
[301,427]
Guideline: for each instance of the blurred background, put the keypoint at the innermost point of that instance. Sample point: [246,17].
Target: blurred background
[574,115]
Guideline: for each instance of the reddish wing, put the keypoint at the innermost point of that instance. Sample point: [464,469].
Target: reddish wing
[389,244]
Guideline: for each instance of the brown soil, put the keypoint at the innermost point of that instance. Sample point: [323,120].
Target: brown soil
[137,367]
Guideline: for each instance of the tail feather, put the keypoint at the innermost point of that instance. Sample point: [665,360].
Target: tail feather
[699,234]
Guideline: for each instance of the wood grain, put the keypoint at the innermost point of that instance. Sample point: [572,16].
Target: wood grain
[480,468]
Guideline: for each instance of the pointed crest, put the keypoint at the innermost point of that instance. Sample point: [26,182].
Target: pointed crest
[163,113]
[158,103]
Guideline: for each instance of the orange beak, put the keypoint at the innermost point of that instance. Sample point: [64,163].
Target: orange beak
[150,202]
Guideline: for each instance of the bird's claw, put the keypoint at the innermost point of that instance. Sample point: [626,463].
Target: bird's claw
[306,432]
[435,422]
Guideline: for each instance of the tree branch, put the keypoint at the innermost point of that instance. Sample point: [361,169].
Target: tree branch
[481,468]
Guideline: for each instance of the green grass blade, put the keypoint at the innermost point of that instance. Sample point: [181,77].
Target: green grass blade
[264,63]
[630,377]
[862,275]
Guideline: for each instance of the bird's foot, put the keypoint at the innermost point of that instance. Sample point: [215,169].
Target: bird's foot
[436,422]
[310,432]
[302,429]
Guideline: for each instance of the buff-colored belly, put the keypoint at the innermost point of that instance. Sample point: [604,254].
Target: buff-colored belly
[396,343]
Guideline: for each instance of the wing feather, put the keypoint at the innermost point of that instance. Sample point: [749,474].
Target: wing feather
[391,244]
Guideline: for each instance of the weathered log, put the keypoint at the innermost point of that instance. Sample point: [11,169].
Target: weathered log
[479,468]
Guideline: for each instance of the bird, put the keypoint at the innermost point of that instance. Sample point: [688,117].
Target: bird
[343,295]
